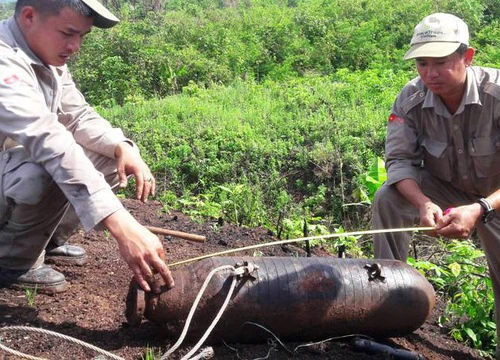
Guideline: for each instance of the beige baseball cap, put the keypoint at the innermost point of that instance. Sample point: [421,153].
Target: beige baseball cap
[103,18]
[438,35]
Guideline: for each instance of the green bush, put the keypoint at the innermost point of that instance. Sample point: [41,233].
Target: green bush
[307,137]
[459,273]
[156,54]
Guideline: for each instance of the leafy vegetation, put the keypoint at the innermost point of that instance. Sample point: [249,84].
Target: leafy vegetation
[459,272]
[6,9]
[265,152]
[151,354]
[30,296]
[152,54]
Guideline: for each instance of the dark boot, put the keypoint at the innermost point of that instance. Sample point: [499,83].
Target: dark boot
[65,255]
[43,280]
[58,251]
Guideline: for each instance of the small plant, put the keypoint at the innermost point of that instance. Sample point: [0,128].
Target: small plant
[461,275]
[151,354]
[298,228]
[370,182]
[241,204]
[349,244]
[30,296]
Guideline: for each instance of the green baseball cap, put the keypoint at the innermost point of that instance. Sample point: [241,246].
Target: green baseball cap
[103,18]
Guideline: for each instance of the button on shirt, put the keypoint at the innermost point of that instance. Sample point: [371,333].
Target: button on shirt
[461,148]
[41,109]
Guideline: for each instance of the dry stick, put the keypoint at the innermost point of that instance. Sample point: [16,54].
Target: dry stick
[175,233]
[178,234]
[153,229]
[353,233]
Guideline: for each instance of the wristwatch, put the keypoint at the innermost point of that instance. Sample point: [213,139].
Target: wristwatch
[489,212]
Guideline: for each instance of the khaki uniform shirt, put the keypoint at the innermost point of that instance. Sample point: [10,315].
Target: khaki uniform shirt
[461,148]
[41,109]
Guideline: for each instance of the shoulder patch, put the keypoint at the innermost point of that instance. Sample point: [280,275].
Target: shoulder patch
[393,118]
[11,79]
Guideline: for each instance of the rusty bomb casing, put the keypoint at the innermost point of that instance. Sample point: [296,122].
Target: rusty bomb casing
[297,299]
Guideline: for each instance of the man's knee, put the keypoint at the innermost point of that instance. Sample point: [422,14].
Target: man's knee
[387,195]
[27,184]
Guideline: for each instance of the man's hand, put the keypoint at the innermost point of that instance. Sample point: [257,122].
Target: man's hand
[129,162]
[459,222]
[430,214]
[141,249]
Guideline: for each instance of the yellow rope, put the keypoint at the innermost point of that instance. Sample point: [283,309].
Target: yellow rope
[353,233]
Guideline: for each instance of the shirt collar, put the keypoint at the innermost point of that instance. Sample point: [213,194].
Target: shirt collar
[472,91]
[471,96]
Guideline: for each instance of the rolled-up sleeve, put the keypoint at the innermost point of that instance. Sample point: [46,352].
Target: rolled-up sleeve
[89,129]
[403,154]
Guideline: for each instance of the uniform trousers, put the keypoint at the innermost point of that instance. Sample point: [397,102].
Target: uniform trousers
[391,210]
[34,210]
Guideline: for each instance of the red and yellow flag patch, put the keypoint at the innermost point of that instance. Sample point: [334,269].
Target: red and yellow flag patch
[396,119]
[12,79]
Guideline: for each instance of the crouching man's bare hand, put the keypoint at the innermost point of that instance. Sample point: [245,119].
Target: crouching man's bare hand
[141,249]
[129,162]
[430,214]
[459,222]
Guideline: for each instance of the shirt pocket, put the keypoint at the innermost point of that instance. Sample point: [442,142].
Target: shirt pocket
[436,159]
[485,154]
[15,158]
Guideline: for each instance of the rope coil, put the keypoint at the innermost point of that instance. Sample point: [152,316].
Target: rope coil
[55,334]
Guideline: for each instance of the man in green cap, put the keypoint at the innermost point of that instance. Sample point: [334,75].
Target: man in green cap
[443,148]
[59,160]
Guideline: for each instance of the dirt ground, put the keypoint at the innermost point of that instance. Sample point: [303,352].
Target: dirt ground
[93,308]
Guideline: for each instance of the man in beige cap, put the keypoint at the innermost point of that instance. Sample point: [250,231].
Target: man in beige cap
[59,160]
[443,148]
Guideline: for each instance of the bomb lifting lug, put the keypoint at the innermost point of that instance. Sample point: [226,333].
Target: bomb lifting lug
[248,269]
[375,272]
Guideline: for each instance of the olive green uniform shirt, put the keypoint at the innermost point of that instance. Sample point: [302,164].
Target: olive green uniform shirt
[461,148]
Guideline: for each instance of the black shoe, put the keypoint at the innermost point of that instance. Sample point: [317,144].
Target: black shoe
[65,254]
[43,279]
